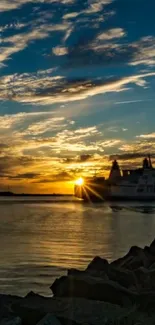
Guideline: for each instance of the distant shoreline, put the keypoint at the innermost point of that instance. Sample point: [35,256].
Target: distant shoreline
[29,194]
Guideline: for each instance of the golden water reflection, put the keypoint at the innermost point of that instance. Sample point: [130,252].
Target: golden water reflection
[41,240]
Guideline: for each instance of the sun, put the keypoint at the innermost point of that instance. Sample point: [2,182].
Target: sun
[79,181]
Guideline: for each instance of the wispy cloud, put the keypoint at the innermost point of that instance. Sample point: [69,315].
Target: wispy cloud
[144,51]
[51,124]
[71,15]
[6,5]
[26,154]
[18,42]
[49,89]
[107,48]
[133,101]
[77,50]
[111,34]
[147,136]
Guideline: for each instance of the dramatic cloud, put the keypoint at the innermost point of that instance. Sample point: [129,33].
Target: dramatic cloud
[26,154]
[69,71]
[49,90]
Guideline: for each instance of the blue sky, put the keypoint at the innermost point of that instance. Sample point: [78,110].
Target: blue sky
[77,81]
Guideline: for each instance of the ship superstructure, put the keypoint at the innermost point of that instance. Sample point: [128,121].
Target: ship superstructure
[128,184]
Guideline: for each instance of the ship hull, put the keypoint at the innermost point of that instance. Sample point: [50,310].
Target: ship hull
[101,194]
[131,198]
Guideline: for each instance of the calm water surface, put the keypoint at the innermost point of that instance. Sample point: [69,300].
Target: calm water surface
[40,238]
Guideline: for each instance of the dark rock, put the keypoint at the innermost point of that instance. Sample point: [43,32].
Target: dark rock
[151,279]
[92,288]
[67,321]
[152,266]
[72,311]
[7,300]
[60,286]
[150,255]
[146,302]
[134,259]
[142,278]
[98,264]
[6,312]
[31,294]
[152,247]
[28,315]
[125,278]
[147,250]
[50,320]
[94,273]
[11,321]
[100,267]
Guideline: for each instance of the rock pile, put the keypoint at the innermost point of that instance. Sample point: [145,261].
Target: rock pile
[121,292]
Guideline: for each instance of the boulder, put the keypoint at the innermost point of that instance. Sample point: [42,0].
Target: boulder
[6,312]
[146,302]
[92,288]
[49,319]
[152,266]
[98,264]
[152,248]
[11,321]
[7,300]
[124,277]
[134,259]
[70,311]
[94,273]
[28,315]
[142,279]
[99,267]
[145,279]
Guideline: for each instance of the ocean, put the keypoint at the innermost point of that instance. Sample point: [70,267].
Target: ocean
[40,238]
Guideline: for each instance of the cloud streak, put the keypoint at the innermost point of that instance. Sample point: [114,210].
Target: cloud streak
[49,89]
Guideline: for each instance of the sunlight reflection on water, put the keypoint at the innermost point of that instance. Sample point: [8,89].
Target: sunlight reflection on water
[40,240]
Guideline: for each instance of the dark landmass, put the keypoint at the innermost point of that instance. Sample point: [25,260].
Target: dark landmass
[117,293]
[27,194]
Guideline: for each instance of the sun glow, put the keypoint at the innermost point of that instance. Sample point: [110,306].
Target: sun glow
[79,181]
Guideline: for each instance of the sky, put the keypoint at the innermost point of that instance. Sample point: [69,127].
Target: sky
[77,89]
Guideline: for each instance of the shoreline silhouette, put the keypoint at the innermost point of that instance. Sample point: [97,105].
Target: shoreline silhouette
[8,193]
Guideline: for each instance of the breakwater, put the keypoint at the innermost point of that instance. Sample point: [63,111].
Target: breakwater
[120,292]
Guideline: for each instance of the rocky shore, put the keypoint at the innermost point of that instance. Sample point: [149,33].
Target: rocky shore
[121,292]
